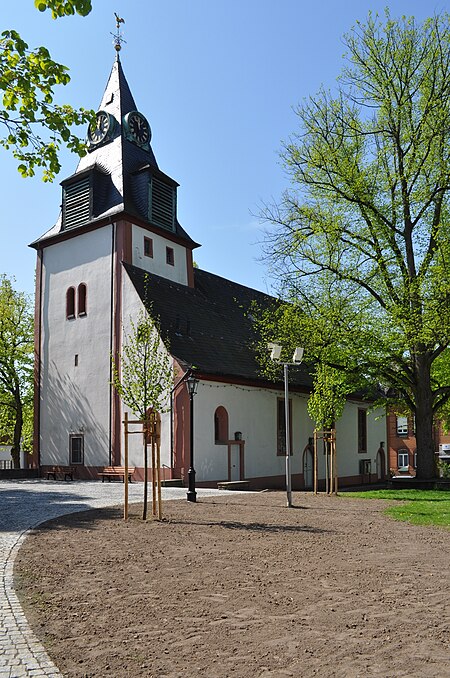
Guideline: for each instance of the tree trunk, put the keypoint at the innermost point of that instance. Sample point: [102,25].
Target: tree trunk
[18,424]
[144,511]
[426,464]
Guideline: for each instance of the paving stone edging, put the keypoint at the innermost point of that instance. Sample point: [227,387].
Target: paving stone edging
[21,653]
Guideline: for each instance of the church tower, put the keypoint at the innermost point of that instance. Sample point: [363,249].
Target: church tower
[117,208]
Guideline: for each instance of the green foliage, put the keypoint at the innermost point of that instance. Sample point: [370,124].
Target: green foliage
[143,373]
[34,126]
[401,495]
[422,513]
[444,469]
[419,507]
[327,400]
[16,367]
[360,243]
[143,376]
[61,8]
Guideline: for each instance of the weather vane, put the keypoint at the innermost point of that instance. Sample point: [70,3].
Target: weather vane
[118,39]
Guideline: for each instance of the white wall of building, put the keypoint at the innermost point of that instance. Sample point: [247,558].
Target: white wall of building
[133,306]
[75,398]
[5,456]
[253,412]
[158,264]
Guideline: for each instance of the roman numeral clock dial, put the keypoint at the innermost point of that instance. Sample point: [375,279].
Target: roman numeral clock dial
[137,129]
[101,129]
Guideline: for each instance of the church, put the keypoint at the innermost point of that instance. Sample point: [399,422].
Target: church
[118,249]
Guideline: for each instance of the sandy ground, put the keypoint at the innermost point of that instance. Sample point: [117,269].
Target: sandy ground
[240,586]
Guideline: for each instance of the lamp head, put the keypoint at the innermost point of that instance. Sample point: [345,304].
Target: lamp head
[275,350]
[192,384]
[298,355]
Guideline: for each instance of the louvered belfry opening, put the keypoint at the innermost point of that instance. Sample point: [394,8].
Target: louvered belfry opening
[77,202]
[162,203]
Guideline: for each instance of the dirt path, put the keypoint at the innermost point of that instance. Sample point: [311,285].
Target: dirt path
[240,586]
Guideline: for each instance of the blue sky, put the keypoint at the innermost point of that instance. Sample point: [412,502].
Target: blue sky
[217,80]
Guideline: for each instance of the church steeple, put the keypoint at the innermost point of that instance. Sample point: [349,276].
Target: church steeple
[119,175]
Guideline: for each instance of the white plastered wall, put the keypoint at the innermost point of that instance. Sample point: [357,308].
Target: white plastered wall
[253,412]
[75,399]
[348,456]
[132,307]
[158,264]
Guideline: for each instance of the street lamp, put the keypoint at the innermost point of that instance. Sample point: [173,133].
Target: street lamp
[296,360]
[192,384]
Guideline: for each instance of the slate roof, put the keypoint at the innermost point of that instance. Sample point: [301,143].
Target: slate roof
[125,165]
[207,326]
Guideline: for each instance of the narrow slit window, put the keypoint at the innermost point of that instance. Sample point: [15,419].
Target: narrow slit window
[70,303]
[148,247]
[362,431]
[170,257]
[82,293]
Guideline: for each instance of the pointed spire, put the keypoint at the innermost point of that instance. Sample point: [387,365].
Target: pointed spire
[117,98]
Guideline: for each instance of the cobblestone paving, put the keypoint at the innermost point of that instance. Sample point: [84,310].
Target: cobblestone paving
[23,505]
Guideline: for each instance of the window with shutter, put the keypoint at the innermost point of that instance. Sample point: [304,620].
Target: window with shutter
[162,204]
[362,431]
[77,203]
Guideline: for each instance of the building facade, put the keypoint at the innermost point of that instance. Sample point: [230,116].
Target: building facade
[118,249]
[402,444]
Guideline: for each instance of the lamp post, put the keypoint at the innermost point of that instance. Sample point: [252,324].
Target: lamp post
[296,360]
[192,384]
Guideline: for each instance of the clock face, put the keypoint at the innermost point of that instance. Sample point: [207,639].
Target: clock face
[99,130]
[138,128]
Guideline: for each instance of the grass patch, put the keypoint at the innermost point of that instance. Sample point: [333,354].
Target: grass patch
[418,507]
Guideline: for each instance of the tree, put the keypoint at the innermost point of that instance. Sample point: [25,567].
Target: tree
[142,376]
[327,400]
[34,126]
[360,242]
[16,364]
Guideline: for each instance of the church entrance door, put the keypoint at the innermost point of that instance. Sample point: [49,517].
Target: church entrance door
[308,469]
[235,451]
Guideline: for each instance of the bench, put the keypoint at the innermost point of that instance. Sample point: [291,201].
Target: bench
[243,485]
[115,472]
[64,471]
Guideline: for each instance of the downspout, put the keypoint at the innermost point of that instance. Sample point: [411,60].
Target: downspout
[39,370]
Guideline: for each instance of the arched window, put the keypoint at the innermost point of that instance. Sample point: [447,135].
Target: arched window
[70,303]
[220,425]
[82,290]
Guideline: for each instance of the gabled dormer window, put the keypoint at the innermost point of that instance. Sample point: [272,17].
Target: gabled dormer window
[83,196]
[77,202]
[162,203]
